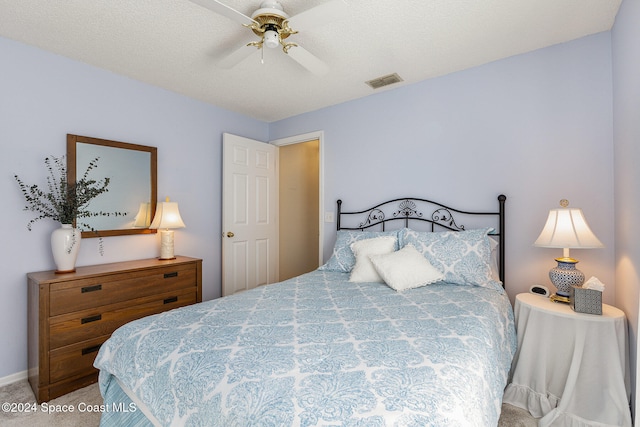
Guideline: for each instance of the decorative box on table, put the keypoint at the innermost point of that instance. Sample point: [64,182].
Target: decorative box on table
[584,300]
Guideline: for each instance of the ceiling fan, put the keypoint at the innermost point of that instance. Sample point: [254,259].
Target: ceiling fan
[273,26]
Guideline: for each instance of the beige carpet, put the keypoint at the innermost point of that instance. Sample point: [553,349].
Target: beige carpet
[19,394]
[512,416]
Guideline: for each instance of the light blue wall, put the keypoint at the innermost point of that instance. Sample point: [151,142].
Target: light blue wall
[536,127]
[42,98]
[626,108]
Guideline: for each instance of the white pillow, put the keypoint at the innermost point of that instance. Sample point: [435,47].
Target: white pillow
[363,270]
[342,258]
[406,269]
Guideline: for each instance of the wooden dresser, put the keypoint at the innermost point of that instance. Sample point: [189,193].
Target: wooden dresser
[70,315]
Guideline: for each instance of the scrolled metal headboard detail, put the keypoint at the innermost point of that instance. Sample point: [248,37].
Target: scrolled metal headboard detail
[376,216]
[446,217]
[409,210]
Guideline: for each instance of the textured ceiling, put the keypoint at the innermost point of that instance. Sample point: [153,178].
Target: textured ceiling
[177,44]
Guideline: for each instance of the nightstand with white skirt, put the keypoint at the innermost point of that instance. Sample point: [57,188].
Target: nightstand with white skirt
[570,369]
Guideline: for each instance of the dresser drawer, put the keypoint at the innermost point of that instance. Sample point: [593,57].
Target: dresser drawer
[79,326]
[74,360]
[76,295]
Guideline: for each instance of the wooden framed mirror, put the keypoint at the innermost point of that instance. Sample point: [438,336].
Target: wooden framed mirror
[132,170]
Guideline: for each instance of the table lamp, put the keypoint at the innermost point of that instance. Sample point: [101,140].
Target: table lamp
[167,216]
[566,228]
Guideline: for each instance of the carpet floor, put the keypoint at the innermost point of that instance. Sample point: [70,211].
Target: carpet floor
[22,409]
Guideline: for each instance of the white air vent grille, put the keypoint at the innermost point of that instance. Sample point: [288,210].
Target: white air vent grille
[384,81]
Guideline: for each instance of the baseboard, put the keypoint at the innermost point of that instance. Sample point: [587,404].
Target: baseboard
[14,378]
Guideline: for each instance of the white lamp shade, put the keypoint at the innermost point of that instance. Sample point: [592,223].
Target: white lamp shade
[567,228]
[167,216]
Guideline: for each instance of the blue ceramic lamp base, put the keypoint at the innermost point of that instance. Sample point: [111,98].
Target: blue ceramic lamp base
[563,276]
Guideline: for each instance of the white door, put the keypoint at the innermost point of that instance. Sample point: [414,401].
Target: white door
[249,214]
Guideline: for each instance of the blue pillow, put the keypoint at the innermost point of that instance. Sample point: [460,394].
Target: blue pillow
[464,257]
[343,258]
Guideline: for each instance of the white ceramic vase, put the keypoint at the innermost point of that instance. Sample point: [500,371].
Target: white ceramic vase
[65,244]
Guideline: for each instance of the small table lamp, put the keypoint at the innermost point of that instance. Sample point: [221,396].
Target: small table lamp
[167,216]
[566,228]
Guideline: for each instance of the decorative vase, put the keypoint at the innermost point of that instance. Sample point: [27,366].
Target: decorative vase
[65,244]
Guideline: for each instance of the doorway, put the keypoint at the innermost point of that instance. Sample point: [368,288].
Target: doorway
[299,178]
[300,203]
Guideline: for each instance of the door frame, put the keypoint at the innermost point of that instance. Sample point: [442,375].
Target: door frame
[305,137]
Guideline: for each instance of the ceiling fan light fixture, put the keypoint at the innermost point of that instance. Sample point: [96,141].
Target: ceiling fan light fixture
[273,27]
[271,39]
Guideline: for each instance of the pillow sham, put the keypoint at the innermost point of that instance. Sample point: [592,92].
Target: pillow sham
[405,269]
[464,257]
[363,270]
[342,259]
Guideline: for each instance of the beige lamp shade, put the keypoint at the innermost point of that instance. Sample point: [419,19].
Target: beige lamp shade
[167,216]
[567,228]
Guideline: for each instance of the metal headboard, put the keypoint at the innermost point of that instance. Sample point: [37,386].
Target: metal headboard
[413,213]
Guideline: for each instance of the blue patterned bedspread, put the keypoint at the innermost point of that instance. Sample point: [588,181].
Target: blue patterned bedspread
[319,350]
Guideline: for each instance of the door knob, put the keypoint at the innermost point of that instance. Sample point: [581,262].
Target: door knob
[230,234]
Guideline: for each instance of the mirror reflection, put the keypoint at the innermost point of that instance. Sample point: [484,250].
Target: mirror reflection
[131,169]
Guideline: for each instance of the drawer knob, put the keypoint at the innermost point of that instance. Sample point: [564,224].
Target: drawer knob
[93,349]
[170,300]
[91,288]
[173,274]
[91,319]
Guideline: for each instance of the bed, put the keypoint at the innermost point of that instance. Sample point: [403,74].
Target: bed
[374,337]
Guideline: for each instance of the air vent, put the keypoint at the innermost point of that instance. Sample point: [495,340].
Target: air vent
[384,81]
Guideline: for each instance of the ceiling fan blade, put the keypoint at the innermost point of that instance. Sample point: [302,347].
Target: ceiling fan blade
[224,10]
[318,15]
[308,60]
[236,56]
